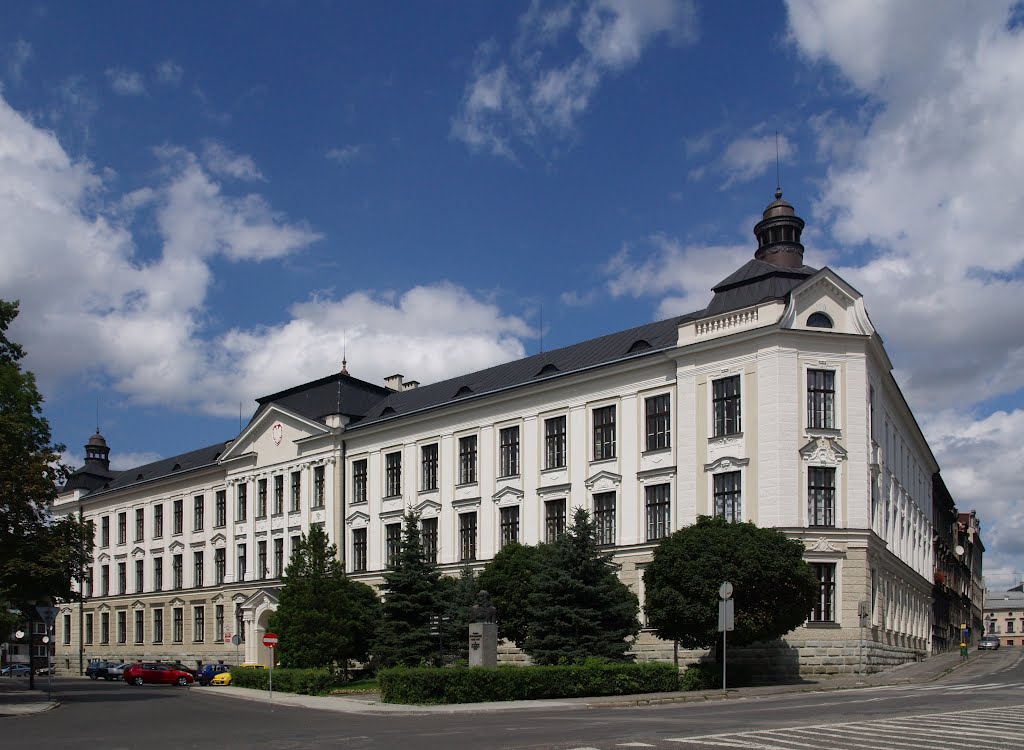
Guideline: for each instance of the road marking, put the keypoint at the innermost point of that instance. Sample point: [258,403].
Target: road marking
[635,744]
[997,728]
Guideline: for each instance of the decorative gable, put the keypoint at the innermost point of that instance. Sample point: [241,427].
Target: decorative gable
[508,496]
[218,540]
[138,552]
[823,451]
[273,435]
[357,520]
[428,508]
[177,546]
[725,463]
[826,302]
[603,480]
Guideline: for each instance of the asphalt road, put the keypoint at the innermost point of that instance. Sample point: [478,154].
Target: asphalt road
[981,708]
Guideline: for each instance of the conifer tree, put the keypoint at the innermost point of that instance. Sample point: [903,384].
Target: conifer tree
[411,600]
[579,607]
[458,595]
[323,618]
[510,577]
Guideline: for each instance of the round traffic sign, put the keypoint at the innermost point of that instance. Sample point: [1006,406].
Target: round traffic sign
[725,590]
[270,640]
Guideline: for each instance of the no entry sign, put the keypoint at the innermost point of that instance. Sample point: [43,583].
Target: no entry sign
[270,640]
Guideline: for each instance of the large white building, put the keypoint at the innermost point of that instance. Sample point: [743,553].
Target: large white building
[775,404]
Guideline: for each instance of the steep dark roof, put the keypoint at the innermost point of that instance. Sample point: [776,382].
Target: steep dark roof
[90,477]
[755,282]
[319,398]
[614,347]
[165,467]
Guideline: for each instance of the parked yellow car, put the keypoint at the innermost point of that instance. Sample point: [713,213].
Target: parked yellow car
[224,678]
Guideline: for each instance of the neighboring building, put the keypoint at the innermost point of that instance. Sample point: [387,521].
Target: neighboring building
[953,614]
[1004,616]
[775,404]
[969,540]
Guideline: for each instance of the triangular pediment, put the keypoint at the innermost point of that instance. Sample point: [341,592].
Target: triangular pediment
[218,540]
[262,596]
[137,604]
[825,296]
[139,552]
[176,546]
[508,495]
[104,607]
[603,480]
[428,508]
[276,426]
[104,557]
[823,450]
[219,599]
[357,519]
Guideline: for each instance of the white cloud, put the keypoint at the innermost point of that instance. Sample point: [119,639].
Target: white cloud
[220,160]
[751,156]
[126,82]
[169,72]
[530,96]
[19,52]
[346,154]
[926,179]
[139,324]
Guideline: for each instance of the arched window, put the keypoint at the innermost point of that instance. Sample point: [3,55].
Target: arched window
[819,320]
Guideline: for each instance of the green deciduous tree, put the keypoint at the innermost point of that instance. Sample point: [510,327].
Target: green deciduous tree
[39,556]
[579,608]
[323,618]
[774,587]
[411,599]
[510,578]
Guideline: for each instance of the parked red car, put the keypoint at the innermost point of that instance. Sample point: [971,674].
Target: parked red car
[156,673]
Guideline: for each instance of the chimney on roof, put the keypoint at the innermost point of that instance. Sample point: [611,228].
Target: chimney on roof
[410,385]
[394,382]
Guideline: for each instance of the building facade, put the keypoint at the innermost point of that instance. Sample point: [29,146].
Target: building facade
[1004,616]
[775,404]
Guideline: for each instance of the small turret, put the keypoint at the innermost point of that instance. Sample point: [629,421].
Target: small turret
[778,234]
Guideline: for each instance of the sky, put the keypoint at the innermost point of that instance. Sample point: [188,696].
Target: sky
[202,203]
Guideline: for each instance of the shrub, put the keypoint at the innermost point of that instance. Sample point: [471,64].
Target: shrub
[588,678]
[302,681]
[701,677]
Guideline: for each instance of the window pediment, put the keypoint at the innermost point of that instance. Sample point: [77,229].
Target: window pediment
[725,462]
[177,546]
[507,496]
[823,450]
[138,552]
[218,540]
[603,480]
[176,602]
[554,490]
[428,508]
[468,502]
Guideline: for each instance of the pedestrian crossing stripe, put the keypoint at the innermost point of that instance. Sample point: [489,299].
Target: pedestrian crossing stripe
[961,687]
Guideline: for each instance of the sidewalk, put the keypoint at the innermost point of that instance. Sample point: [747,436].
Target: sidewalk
[17,699]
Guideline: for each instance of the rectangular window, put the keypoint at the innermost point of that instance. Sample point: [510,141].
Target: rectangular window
[90,582]
[604,433]
[242,502]
[821,394]
[296,504]
[177,572]
[261,560]
[554,443]
[158,574]
[295,546]
[278,495]
[122,626]
[319,487]
[359,481]
[158,521]
[220,564]
[278,557]
[392,543]
[726,405]
[261,498]
[658,498]
[821,496]
[122,528]
[428,466]
[105,580]
[467,537]
[104,627]
[240,564]
[509,525]
[88,629]
[824,606]
[105,531]
[508,452]
[218,614]
[178,627]
[358,550]
[140,524]
[728,499]
[197,568]
[139,576]
[220,511]
[239,624]
[67,629]
[139,627]
[393,474]
[604,517]
[428,533]
[199,624]
[178,520]
[554,519]
[122,578]
[199,512]
[467,459]
[658,416]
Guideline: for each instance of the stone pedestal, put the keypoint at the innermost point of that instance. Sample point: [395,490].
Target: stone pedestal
[483,644]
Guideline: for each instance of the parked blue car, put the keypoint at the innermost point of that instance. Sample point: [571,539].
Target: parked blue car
[209,671]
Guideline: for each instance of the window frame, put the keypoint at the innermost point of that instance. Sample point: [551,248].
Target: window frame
[824,609]
[359,550]
[605,511]
[429,536]
[430,456]
[555,518]
[556,442]
[821,398]
[360,478]
[727,496]
[727,405]
[603,429]
[658,422]
[468,446]
[468,530]
[508,451]
[508,525]
[393,474]
[658,510]
[821,496]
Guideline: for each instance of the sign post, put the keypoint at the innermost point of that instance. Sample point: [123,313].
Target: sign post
[270,641]
[48,615]
[726,619]
[236,639]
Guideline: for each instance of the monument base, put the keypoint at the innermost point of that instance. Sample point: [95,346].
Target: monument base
[483,644]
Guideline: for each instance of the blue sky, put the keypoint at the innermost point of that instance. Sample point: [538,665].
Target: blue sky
[201,203]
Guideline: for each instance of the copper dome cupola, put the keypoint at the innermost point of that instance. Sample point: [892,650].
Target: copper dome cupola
[778,234]
[97,451]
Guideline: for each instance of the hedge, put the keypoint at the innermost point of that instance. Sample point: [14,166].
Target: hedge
[471,685]
[302,681]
